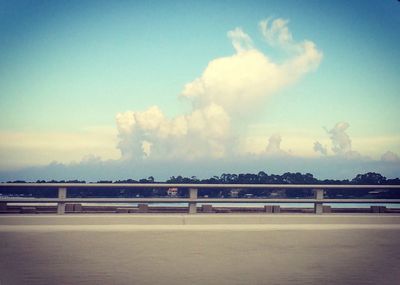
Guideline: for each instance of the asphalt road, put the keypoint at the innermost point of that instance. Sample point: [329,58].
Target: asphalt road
[278,250]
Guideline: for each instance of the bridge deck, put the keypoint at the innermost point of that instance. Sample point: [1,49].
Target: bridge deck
[203,249]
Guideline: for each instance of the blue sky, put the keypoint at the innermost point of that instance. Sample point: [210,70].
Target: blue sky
[73,74]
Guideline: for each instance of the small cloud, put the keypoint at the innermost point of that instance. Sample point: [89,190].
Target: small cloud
[390,156]
[274,146]
[341,142]
[318,147]
[276,33]
[240,40]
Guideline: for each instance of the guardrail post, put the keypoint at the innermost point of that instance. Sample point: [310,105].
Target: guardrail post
[276,209]
[192,205]
[62,194]
[268,208]
[78,208]
[378,209]
[319,195]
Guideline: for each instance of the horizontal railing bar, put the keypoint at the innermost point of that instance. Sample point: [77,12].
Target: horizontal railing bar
[200,186]
[187,200]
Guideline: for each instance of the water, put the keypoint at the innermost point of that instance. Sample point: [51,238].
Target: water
[231,205]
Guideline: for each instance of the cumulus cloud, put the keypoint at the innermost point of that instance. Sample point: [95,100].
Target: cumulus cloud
[390,156]
[341,142]
[91,159]
[318,147]
[241,81]
[274,146]
[230,87]
[149,133]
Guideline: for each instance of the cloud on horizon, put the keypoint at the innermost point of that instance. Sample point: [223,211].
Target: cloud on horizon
[92,169]
[274,146]
[318,147]
[390,156]
[340,141]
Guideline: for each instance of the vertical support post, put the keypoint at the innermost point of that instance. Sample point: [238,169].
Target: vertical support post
[268,208]
[78,208]
[62,194]
[192,196]
[276,209]
[318,195]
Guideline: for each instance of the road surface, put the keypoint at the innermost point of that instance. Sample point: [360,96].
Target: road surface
[201,249]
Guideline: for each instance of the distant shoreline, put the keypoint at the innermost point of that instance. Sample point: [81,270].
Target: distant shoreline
[133,208]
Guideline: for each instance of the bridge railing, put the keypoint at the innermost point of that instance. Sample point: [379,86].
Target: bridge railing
[193,199]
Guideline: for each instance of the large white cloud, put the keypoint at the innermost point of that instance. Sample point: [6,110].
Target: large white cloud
[204,132]
[240,81]
[230,87]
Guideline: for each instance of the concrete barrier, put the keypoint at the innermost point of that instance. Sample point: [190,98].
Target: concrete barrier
[223,210]
[268,209]
[122,210]
[77,208]
[207,208]
[378,209]
[212,249]
[326,209]
[143,208]
[276,209]
[69,207]
[28,210]
[73,208]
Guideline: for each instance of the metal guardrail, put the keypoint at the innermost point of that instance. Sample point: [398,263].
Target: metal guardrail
[193,199]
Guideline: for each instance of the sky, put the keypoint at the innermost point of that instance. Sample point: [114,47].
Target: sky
[127,89]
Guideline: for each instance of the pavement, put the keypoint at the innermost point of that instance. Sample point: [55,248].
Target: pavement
[200,249]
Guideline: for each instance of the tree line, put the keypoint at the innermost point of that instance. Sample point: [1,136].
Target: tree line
[225,178]
[249,178]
